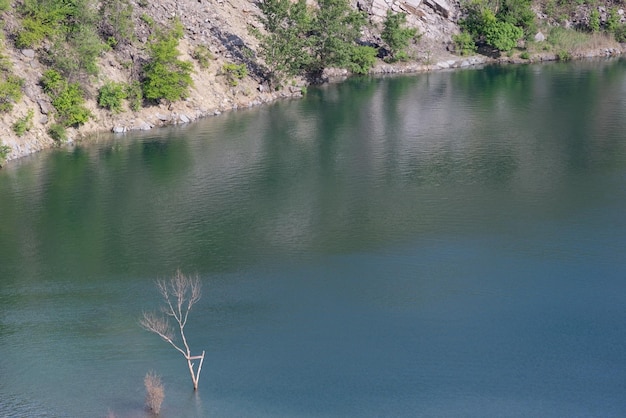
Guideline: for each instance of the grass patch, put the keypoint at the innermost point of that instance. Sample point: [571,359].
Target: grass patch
[570,42]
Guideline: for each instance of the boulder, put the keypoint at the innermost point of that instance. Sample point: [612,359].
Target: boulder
[540,37]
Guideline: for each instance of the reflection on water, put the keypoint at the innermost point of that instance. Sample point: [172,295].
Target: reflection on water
[448,244]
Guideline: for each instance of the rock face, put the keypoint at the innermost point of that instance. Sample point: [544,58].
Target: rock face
[435,19]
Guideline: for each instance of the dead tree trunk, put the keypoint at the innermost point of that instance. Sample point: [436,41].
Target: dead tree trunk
[179,293]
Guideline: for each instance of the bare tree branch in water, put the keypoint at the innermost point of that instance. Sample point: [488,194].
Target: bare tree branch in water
[179,294]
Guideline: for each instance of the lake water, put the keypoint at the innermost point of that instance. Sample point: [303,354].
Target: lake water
[441,245]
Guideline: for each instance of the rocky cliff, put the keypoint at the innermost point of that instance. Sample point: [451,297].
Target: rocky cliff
[222,26]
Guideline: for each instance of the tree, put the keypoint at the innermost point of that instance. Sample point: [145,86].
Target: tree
[165,76]
[302,40]
[179,294]
[396,36]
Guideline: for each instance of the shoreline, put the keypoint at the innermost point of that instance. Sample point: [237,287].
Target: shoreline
[183,112]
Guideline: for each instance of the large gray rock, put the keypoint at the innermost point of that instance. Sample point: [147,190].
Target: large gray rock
[540,37]
[440,6]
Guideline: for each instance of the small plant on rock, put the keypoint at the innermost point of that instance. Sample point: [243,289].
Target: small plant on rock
[202,54]
[24,124]
[234,72]
[57,132]
[110,96]
[67,99]
[4,152]
[464,43]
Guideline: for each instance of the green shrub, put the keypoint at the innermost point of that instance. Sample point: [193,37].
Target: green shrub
[24,124]
[165,76]
[116,24]
[563,55]
[10,92]
[57,132]
[464,43]
[501,35]
[524,55]
[202,54]
[4,5]
[67,99]
[620,33]
[362,59]
[5,150]
[500,30]
[303,41]
[594,20]
[110,96]
[395,36]
[234,72]
[134,95]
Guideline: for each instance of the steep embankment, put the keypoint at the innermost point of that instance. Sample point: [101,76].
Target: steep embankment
[222,27]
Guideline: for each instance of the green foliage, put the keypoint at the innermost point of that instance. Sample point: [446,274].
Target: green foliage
[24,124]
[67,99]
[334,29]
[58,132]
[111,95]
[362,59]
[464,43]
[501,35]
[116,24]
[10,91]
[134,95]
[594,20]
[396,36]
[202,54]
[524,55]
[5,150]
[4,5]
[78,53]
[304,41]
[620,33]
[564,55]
[165,76]
[283,47]
[500,30]
[612,20]
[519,13]
[234,72]
[70,26]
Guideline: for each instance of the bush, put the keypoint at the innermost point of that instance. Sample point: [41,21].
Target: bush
[524,55]
[5,150]
[116,24]
[563,55]
[499,31]
[304,41]
[58,132]
[155,392]
[501,35]
[395,36]
[67,99]
[464,43]
[202,54]
[234,72]
[165,76]
[24,124]
[110,96]
[10,92]
[4,5]
[134,95]
[620,33]
[362,59]
[594,20]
